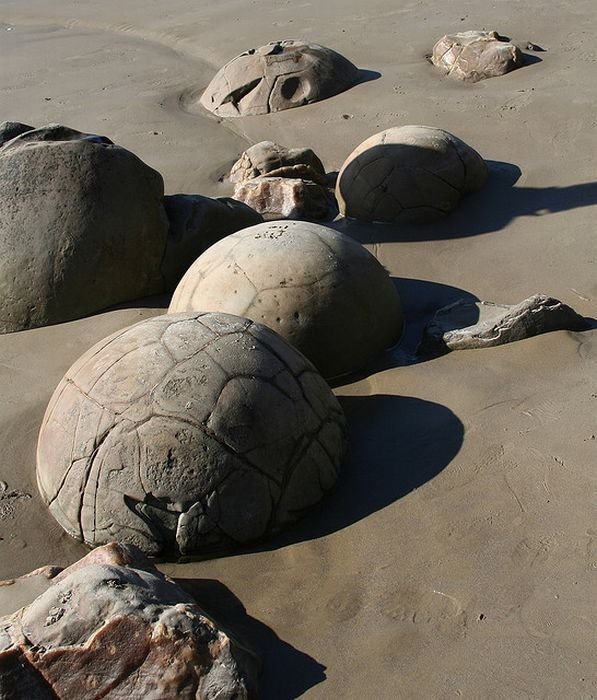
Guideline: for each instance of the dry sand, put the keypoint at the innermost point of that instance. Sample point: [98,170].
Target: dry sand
[458,555]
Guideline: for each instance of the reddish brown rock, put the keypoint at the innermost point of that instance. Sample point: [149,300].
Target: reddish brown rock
[284,197]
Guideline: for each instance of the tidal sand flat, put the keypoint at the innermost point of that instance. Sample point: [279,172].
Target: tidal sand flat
[457,554]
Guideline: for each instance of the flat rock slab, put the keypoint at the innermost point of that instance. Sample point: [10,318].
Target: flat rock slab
[465,325]
[284,197]
[476,55]
[113,626]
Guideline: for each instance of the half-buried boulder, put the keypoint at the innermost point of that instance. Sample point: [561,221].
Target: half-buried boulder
[267,158]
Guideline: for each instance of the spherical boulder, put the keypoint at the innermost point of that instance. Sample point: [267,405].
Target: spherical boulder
[408,174]
[188,433]
[319,289]
[277,76]
[82,227]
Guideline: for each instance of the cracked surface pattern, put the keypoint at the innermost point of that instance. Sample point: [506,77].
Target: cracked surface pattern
[476,55]
[187,434]
[112,626]
[408,174]
[271,159]
[277,76]
[82,226]
[319,289]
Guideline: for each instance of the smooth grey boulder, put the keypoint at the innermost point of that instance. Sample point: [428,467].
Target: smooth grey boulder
[197,222]
[112,626]
[284,197]
[82,227]
[465,325]
[271,159]
[278,76]
[188,434]
[408,174]
[8,130]
[476,55]
[321,290]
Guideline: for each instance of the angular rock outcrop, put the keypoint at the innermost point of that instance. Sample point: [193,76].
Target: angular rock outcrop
[9,130]
[277,76]
[113,626]
[464,325]
[271,159]
[284,197]
[476,55]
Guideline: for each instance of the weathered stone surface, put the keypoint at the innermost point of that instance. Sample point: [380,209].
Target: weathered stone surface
[408,174]
[269,158]
[465,325]
[186,434]
[283,197]
[197,222]
[278,76]
[82,227]
[476,55]
[8,130]
[113,626]
[321,290]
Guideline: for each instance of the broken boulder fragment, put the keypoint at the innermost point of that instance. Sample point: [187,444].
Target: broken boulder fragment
[9,130]
[284,197]
[113,626]
[271,159]
[465,325]
[476,55]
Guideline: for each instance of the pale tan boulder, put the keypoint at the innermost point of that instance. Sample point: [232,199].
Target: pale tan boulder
[271,159]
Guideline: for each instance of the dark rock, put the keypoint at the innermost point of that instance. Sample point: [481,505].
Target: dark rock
[8,130]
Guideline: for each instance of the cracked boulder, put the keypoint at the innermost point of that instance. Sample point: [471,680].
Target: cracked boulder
[82,227]
[112,626]
[465,325]
[278,76]
[271,159]
[476,55]
[284,197]
[408,174]
[319,289]
[188,434]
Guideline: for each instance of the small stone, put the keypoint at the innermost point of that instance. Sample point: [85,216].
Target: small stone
[284,197]
[269,158]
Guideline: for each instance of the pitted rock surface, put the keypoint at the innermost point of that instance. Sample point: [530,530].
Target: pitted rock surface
[197,222]
[321,290]
[271,159]
[408,174]
[277,76]
[284,197]
[188,433]
[476,55]
[112,626]
[82,227]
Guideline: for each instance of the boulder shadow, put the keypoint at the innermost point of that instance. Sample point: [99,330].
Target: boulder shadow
[286,673]
[364,76]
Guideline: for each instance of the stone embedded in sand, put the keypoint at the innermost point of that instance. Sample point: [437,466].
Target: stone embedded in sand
[284,197]
[466,325]
[476,55]
[408,174]
[277,76]
[82,227]
[188,433]
[271,159]
[113,626]
[9,130]
[321,290]
[197,222]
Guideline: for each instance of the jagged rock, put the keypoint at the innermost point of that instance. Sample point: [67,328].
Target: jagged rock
[8,130]
[277,76]
[283,197]
[408,174]
[476,55]
[321,290]
[197,222]
[271,159]
[82,227]
[466,325]
[188,433]
[113,626]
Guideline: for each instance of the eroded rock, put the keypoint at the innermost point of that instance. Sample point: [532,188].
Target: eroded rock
[408,174]
[8,130]
[284,197]
[465,325]
[476,55]
[188,434]
[271,159]
[113,626]
[278,76]
[321,290]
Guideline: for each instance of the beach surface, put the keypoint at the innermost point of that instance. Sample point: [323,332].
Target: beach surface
[457,556]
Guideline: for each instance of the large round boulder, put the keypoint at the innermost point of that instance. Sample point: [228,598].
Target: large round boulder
[319,289]
[408,174]
[82,227]
[187,434]
[278,76]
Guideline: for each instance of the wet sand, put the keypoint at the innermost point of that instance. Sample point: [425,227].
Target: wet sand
[457,556]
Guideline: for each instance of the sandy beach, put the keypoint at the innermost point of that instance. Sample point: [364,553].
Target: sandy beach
[457,555]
